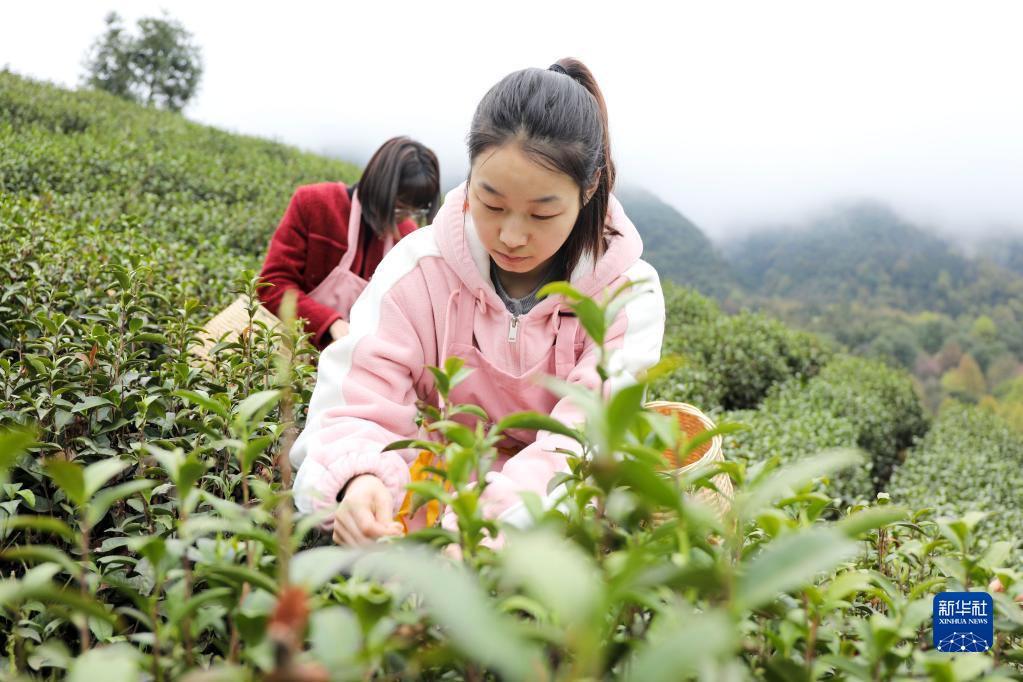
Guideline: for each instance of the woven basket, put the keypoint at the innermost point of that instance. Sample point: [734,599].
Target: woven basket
[228,324]
[692,422]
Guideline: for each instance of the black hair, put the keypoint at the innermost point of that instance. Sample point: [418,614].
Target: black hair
[560,120]
[400,171]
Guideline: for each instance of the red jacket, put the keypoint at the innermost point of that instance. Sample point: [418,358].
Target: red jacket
[308,245]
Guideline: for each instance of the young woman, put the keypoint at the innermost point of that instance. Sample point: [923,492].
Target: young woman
[537,207]
[333,237]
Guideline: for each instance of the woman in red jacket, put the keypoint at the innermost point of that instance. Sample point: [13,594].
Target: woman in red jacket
[333,236]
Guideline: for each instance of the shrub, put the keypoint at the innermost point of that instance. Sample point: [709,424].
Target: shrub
[970,459]
[852,403]
[730,362]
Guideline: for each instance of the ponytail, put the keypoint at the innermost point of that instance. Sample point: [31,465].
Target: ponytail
[594,212]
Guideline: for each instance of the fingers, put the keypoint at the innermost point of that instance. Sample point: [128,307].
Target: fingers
[346,530]
[365,514]
[371,527]
[383,507]
[358,526]
[996,586]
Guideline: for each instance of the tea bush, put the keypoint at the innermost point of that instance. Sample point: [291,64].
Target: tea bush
[970,459]
[730,362]
[852,403]
[101,159]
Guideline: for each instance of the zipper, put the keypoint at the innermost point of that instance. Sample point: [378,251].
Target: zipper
[513,329]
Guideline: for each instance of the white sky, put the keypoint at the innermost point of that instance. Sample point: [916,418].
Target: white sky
[736,113]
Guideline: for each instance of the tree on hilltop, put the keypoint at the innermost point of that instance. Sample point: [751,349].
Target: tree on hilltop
[160,66]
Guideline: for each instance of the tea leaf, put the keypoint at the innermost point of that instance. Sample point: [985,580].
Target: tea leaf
[683,649]
[69,477]
[115,663]
[257,405]
[97,474]
[790,562]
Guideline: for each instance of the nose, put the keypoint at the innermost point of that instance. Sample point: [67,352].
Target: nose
[513,236]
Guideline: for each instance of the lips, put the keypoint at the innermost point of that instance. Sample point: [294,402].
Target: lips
[512,259]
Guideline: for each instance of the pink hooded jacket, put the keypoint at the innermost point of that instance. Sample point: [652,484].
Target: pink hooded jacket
[369,381]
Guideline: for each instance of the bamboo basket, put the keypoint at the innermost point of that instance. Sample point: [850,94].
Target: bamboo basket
[692,422]
[228,324]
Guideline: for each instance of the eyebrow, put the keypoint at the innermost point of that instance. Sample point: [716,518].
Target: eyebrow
[542,200]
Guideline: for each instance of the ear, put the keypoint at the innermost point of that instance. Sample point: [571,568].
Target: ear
[592,189]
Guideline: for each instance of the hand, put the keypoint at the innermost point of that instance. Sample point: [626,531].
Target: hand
[996,586]
[338,328]
[365,512]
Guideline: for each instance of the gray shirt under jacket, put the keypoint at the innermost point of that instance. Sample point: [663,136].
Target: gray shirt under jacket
[521,306]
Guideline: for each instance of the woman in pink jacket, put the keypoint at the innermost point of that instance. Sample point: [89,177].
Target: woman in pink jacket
[537,207]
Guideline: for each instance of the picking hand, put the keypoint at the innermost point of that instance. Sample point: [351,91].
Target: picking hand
[365,513]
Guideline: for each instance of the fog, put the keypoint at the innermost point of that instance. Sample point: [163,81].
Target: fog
[736,113]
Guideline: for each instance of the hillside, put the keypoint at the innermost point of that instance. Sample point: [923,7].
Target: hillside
[208,199]
[147,515]
[883,287]
[866,252]
[676,247]
[1006,251]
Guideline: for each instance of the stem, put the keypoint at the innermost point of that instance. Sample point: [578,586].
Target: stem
[116,373]
[186,622]
[157,670]
[246,340]
[16,650]
[149,515]
[811,641]
[246,589]
[284,512]
[145,502]
[966,574]
[284,457]
[232,651]
[881,541]
[83,626]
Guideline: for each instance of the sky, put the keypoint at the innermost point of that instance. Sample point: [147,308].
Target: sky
[738,114]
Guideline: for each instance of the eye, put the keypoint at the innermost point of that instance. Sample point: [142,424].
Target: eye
[545,217]
[495,209]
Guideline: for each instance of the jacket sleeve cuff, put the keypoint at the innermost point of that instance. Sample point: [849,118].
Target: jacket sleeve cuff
[317,486]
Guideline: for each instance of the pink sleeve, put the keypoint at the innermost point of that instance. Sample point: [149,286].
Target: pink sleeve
[635,341]
[364,399]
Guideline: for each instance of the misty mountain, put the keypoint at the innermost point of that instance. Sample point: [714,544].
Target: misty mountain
[676,247]
[866,252]
[1006,251]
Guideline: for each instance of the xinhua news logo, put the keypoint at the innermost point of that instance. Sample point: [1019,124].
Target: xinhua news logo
[963,621]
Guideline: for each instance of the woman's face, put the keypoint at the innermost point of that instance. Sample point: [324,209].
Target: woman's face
[523,211]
